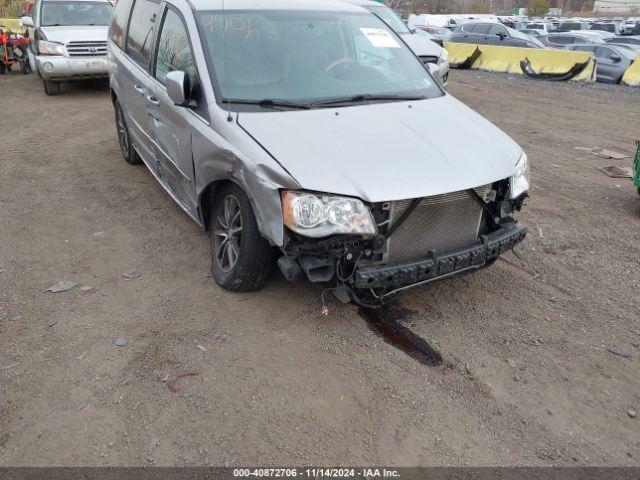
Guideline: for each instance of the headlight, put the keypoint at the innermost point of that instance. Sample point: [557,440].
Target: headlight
[314,215]
[444,57]
[50,48]
[519,182]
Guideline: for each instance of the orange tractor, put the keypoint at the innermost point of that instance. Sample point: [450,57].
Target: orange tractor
[13,50]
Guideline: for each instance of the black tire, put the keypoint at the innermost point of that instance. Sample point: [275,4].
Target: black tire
[3,68]
[51,88]
[124,139]
[233,224]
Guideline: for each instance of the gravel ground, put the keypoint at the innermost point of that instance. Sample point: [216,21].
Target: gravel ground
[529,374]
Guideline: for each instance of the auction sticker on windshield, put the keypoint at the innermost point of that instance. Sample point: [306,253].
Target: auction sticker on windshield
[380,38]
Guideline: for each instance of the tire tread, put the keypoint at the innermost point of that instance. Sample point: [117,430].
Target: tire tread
[253,269]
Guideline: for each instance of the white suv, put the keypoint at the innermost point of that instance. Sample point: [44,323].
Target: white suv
[69,40]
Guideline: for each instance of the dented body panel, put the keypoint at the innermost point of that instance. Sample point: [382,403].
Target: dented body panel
[250,166]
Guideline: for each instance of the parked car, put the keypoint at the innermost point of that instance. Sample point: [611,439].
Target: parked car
[603,34]
[427,35]
[628,25]
[441,35]
[430,53]
[445,21]
[624,40]
[612,61]
[571,26]
[543,26]
[493,33]
[69,40]
[628,46]
[532,32]
[562,40]
[314,135]
[605,27]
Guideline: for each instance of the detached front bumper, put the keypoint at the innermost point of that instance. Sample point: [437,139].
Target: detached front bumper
[59,68]
[489,247]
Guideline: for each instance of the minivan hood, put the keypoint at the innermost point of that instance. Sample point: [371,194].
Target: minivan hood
[421,46]
[386,151]
[83,33]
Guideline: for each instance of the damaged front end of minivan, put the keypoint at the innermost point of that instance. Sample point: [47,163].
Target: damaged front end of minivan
[376,251]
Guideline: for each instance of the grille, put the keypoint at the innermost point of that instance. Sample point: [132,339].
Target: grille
[428,59]
[441,223]
[87,49]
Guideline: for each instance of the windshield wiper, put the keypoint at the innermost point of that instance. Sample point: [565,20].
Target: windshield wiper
[365,97]
[267,103]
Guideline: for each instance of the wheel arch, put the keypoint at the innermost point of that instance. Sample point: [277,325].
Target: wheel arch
[206,200]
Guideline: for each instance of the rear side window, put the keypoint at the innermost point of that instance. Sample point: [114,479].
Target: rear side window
[141,30]
[118,26]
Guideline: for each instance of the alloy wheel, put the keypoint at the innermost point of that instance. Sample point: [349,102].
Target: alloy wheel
[123,133]
[228,234]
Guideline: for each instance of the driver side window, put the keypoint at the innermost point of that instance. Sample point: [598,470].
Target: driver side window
[174,53]
[497,30]
[174,50]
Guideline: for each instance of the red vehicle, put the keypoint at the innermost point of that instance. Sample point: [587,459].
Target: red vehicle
[13,49]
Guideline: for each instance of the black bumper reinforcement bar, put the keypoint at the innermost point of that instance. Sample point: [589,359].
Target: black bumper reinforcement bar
[488,247]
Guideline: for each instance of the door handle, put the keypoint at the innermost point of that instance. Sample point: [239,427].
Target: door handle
[139,88]
[153,100]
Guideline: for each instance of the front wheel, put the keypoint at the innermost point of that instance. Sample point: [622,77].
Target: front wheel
[242,258]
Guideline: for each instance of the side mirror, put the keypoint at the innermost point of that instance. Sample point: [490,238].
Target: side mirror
[178,87]
[501,35]
[615,57]
[27,22]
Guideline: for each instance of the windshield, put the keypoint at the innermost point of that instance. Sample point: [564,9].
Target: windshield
[627,52]
[75,13]
[309,56]
[389,17]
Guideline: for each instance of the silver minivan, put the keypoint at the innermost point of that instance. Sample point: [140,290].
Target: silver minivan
[309,135]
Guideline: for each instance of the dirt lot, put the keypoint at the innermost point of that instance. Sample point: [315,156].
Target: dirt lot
[528,376]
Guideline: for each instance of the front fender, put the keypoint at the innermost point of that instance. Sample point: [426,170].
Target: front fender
[257,173]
